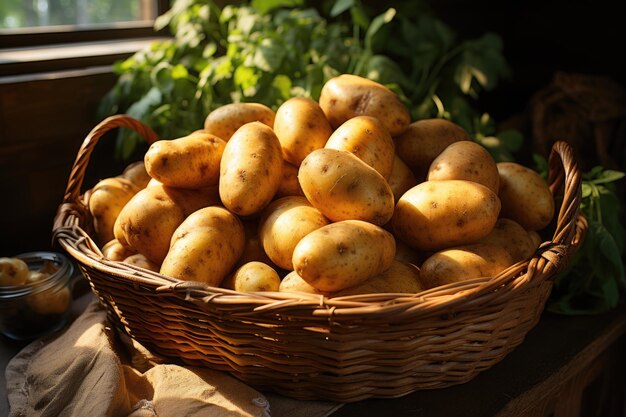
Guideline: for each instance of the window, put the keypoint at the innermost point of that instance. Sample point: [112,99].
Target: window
[27,23]
[37,13]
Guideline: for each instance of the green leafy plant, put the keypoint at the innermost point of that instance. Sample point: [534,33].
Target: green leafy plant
[595,279]
[269,50]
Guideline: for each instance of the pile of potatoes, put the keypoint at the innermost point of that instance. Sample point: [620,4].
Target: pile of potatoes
[338,197]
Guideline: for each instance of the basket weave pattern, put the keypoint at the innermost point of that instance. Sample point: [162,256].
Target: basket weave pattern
[311,347]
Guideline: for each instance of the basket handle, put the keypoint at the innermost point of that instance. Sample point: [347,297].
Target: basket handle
[71,197]
[563,173]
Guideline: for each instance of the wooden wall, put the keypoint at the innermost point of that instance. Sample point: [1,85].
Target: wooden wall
[43,120]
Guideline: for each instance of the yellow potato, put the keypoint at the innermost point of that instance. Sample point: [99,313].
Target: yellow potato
[148,221]
[424,140]
[343,254]
[205,247]
[253,276]
[525,196]
[465,262]
[251,169]
[367,139]
[137,174]
[401,179]
[347,96]
[284,223]
[36,276]
[54,300]
[190,162]
[13,271]
[509,235]
[192,200]
[343,187]
[289,184]
[466,160]
[293,282]
[437,214]
[224,121]
[535,238]
[106,201]
[301,127]
[115,251]
[141,261]
[399,278]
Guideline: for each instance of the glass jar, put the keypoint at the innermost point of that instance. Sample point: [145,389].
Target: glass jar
[42,306]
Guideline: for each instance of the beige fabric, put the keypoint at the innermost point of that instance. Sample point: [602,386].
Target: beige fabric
[87,372]
[91,371]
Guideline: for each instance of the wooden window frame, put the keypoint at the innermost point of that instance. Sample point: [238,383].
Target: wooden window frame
[36,50]
[49,35]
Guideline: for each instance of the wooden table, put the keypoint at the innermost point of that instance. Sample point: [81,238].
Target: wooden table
[566,367]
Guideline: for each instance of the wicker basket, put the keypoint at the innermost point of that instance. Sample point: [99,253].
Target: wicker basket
[311,347]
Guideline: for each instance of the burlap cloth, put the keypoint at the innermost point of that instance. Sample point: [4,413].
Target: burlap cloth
[90,371]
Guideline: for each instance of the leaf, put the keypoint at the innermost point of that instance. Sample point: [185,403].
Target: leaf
[341,6]
[246,79]
[511,139]
[266,6]
[179,71]
[377,23]
[607,176]
[268,55]
[359,17]
[140,109]
[595,277]
[283,84]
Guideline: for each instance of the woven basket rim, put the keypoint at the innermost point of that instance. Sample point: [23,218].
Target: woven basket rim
[549,258]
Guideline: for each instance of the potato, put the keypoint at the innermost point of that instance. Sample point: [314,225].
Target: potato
[509,235]
[399,278]
[36,276]
[13,271]
[205,247]
[148,221]
[253,276]
[115,251]
[289,184]
[192,161]
[343,254]
[284,223]
[54,300]
[347,96]
[224,121]
[466,160]
[251,169]
[401,179]
[367,139]
[424,140]
[107,199]
[437,214]
[301,127]
[141,261]
[343,187]
[535,238]
[294,283]
[464,262]
[525,196]
[137,174]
